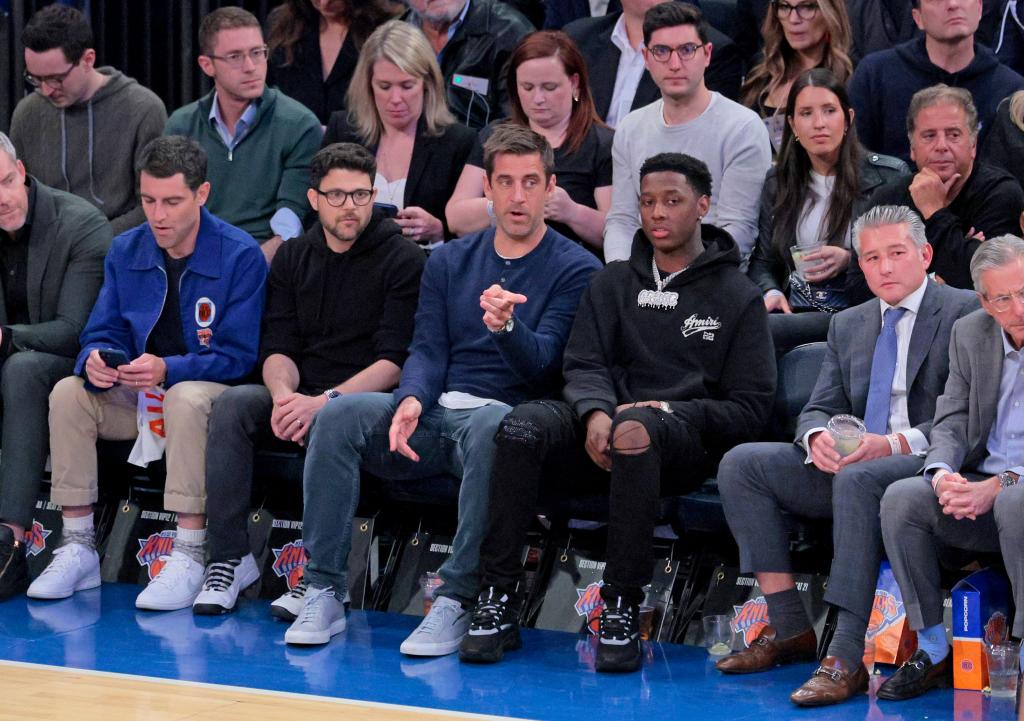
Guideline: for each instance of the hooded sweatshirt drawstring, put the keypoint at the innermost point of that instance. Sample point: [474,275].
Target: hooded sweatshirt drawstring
[64,153]
[1010,9]
[91,137]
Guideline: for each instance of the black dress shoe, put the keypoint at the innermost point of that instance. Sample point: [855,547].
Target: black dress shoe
[13,565]
[917,675]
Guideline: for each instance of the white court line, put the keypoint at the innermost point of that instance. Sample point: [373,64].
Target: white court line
[261,691]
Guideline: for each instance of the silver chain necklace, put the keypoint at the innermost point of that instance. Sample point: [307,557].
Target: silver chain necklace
[659,299]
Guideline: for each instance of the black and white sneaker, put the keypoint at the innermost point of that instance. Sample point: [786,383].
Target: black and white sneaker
[493,629]
[14,578]
[618,645]
[288,606]
[223,582]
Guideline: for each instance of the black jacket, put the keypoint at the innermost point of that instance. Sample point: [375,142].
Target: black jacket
[68,240]
[303,79]
[480,48]
[711,357]
[437,162]
[334,314]
[1004,145]
[990,202]
[594,38]
[769,269]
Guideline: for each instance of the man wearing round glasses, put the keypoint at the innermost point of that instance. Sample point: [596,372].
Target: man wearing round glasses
[945,52]
[690,119]
[83,128]
[970,496]
[250,133]
[339,320]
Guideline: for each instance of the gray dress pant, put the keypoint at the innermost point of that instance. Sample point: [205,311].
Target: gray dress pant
[26,379]
[915,528]
[761,482]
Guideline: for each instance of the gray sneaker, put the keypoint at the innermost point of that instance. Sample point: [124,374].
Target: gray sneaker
[322,616]
[441,632]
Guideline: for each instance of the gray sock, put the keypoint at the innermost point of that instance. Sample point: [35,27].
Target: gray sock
[848,640]
[786,613]
[85,538]
[195,551]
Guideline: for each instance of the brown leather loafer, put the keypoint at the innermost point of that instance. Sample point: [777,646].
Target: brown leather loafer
[768,651]
[831,683]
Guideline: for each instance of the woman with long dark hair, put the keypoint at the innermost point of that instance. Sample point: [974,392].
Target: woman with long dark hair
[798,35]
[314,47]
[809,202]
[550,93]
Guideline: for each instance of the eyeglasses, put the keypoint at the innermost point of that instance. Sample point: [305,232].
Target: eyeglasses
[662,53]
[804,11]
[1003,303]
[337,198]
[237,60]
[53,81]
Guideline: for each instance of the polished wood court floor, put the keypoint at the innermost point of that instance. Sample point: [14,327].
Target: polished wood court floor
[44,693]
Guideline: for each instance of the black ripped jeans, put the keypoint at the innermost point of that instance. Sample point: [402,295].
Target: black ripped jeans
[544,440]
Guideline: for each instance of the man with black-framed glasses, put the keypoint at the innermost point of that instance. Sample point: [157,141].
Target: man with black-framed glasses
[946,51]
[84,127]
[250,133]
[690,119]
[339,319]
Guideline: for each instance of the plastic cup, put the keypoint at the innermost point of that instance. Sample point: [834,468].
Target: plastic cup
[646,622]
[1002,669]
[718,634]
[798,252]
[430,582]
[847,432]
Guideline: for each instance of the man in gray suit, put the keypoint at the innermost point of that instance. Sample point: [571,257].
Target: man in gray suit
[886,362]
[52,246]
[969,497]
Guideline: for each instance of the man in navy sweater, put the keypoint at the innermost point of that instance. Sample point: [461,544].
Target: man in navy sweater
[463,375]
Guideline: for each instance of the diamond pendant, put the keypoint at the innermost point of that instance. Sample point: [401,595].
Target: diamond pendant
[657,299]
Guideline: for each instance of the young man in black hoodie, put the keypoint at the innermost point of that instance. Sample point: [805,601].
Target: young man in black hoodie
[339,319]
[669,364]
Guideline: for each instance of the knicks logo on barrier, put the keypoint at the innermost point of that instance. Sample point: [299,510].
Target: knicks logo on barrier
[589,605]
[967,665]
[885,611]
[290,563]
[750,618]
[153,550]
[35,539]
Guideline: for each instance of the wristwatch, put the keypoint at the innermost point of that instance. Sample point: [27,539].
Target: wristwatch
[1007,479]
[331,393]
[507,328]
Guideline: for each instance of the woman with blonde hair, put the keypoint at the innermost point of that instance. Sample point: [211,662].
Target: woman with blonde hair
[798,35]
[396,109]
[1004,146]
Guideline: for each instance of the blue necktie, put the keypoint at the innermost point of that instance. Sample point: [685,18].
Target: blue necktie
[883,370]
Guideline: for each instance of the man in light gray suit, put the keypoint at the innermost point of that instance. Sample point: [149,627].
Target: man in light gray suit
[969,497]
[886,362]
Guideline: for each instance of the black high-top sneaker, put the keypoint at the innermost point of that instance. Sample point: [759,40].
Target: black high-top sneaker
[618,644]
[13,565]
[493,630]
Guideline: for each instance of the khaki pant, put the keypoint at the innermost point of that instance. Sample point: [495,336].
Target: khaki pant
[79,417]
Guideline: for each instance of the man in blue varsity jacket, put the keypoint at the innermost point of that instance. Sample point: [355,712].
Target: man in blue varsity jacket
[494,314]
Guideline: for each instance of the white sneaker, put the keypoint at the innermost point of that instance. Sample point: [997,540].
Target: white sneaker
[322,616]
[74,567]
[224,581]
[176,586]
[287,606]
[441,632]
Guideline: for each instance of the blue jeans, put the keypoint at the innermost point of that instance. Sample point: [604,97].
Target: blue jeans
[350,433]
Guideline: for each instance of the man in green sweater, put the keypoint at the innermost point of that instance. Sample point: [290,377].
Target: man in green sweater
[259,141]
[84,127]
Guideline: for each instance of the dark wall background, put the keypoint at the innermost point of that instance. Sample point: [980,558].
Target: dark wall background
[153,41]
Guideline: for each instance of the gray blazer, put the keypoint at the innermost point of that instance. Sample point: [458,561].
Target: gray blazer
[842,385]
[966,410]
[66,247]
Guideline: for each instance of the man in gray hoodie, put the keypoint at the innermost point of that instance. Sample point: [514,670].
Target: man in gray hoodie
[84,127]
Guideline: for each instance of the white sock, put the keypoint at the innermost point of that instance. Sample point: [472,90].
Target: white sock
[189,535]
[84,523]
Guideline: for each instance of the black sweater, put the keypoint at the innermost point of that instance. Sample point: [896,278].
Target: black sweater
[990,202]
[711,357]
[334,314]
